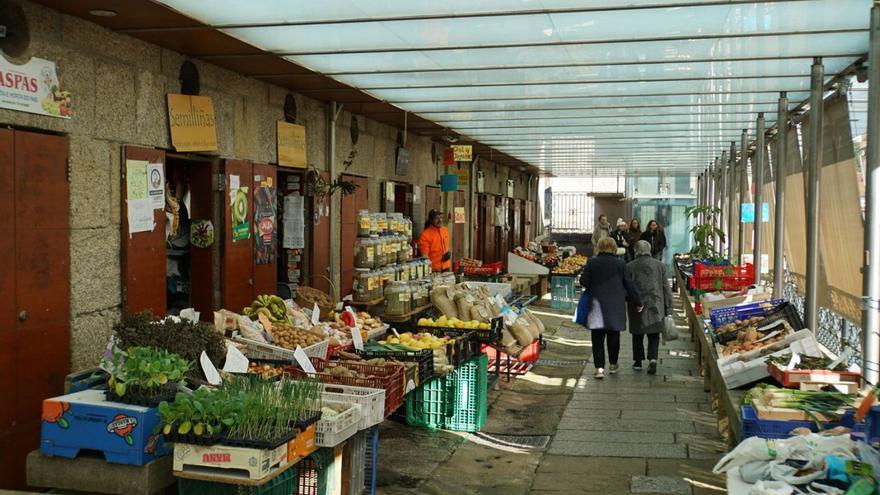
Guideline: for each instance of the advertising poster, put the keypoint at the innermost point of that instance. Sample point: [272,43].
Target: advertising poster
[34,88]
[241,228]
[264,223]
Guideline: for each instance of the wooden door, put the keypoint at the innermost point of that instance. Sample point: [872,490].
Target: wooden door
[201,267]
[476,225]
[458,229]
[489,229]
[351,204]
[319,247]
[501,230]
[143,253]
[35,308]
[527,220]
[237,258]
[265,186]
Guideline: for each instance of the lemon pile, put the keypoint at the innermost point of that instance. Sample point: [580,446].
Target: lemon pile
[443,322]
[418,341]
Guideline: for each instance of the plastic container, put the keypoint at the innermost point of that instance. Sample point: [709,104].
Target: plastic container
[283,484]
[355,455]
[381,223]
[404,253]
[753,426]
[365,224]
[364,256]
[729,314]
[371,400]
[317,474]
[371,461]
[398,299]
[331,431]
[455,402]
[362,288]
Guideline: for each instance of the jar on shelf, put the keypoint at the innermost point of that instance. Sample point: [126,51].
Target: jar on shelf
[402,272]
[363,253]
[413,270]
[361,286]
[381,223]
[379,248]
[377,287]
[398,299]
[407,227]
[364,223]
[404,254]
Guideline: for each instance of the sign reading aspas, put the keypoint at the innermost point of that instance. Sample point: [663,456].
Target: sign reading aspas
[34,88]
[192,123]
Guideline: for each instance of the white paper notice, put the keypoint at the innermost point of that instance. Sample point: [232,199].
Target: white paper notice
[236,362]
[355,331]
[294,224]
[210,370]
[156,184]
[303,360]
[140,216]
[316,314]
[234,183]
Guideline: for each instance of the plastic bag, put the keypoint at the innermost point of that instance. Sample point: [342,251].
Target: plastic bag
[670,331]
[771,488]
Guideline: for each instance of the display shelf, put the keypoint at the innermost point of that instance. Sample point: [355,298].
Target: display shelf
[366,304]
[406,316]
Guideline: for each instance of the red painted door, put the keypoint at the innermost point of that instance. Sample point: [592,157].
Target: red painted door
[35,309]
[201,268]
[351,204]
[265,186]
[143,253]
[319,266]
[237,258]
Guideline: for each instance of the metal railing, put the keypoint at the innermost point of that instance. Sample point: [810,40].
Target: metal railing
[572,212]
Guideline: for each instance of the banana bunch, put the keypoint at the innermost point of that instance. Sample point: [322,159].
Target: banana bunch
[271,306]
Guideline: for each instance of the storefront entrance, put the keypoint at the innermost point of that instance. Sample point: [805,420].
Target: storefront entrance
[34,290]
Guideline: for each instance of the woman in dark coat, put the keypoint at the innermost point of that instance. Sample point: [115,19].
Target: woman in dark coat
[633,235]
[608,288]
[654,235]
[648,275]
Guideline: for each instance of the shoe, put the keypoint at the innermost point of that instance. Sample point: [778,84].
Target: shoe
[652,367]
[613,369]
[599,374]
[637,366]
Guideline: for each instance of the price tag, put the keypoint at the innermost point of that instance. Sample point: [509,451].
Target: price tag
[210,370]
[267,325]
[236,362]
[394,331]
[357,339]
[316,314]
[303,360]
[795,360]
[844,356]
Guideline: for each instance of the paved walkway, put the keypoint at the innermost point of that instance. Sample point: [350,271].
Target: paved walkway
[557,430]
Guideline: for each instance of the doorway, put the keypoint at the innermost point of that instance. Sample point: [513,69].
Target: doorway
[34,303]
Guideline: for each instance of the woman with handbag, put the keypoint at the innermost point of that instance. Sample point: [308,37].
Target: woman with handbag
[605,281]
[648,275]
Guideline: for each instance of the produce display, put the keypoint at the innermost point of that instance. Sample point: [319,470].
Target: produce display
[272,307]
[443,322]
[416,342]
[819,406]
[571,265]
[175,335]
[266,371]
[466,263]
[750,340]
[289,337]
[143,373]
[808,363]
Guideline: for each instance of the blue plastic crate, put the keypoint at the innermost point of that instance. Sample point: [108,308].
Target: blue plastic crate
[872,426]
[753,426]
[562,292]
[730,314]
[371,461]
[86,420]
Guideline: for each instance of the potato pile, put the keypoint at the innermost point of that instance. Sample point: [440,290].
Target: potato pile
[739,325]
[288,336]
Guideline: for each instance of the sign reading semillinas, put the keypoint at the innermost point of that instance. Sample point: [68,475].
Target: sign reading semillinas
[34,88]
[192,123]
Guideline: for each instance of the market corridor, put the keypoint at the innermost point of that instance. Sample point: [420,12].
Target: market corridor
[559,431]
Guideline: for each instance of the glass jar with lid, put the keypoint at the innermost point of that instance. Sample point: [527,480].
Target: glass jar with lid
[379,252]
[407,227]
[398,299]
[403,272]
[364,223]
[363,252]
[413,268]
[360,286]
[377,288]
[381,223]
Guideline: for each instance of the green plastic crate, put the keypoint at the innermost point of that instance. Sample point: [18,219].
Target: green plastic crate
[283,484]
[316,474]
[454,402]
[562,292]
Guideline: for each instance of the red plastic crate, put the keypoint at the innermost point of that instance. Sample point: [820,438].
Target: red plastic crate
[484,269]
[529,354]
[793,378]
[745,270]
[721,283]
[388,378]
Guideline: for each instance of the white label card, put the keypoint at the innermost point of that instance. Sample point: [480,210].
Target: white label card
[303,360]
[210,370]
[795,360]
[316,314]
[236,362]
[355,331]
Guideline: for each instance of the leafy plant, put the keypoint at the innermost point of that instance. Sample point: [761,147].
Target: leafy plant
[203,411]
[144,370]
[323,189]
[706,234]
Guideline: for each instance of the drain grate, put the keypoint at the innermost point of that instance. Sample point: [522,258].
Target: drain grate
[562,362]
[523,441]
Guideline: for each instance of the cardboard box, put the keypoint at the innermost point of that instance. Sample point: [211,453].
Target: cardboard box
[231,462]
[87,420]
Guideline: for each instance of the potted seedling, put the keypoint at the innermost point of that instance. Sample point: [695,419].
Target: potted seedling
[143,375]
[198,418]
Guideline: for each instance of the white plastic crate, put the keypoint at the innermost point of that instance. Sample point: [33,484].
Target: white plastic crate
[357,450]
[330,432]
[742,369]
[261,350]
[371,400]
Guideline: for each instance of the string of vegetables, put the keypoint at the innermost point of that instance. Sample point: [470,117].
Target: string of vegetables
[827,404]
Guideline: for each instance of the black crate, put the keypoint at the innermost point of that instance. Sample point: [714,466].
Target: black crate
[424,358]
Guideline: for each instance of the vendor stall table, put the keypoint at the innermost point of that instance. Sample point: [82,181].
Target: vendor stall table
[366,304]
[407,316]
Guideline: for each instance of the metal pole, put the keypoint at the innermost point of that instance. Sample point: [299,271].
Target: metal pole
[722,177]
[334,218]
[813,170]
[779,177]
[871,269]
[758,179]
[743,190]
[716,194]
[731,199]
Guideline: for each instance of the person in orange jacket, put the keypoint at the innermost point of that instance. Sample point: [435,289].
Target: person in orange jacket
[434,242]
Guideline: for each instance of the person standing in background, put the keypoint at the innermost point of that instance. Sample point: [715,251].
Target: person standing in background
[633,235]
[604,280]
[656,238]
[621,237]
[434,242]
[649,278]
[600,231]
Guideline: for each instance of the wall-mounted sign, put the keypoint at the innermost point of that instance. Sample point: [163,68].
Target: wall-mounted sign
[449,156]
[458,214]
[748,213]
[192,123]
[34,88]
[463,152]
[509,188]
[291,142]
[464,175]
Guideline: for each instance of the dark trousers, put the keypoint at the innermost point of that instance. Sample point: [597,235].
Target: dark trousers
[598,337]
[639,346]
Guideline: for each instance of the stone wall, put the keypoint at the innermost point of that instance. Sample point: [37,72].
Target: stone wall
[118,84]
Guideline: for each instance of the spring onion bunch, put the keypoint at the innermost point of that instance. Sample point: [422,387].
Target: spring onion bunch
[827,404]
[270,409]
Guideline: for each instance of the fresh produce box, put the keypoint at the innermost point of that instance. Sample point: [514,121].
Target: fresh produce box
[482,332]
[339,421]
[455,402]
[450,348]
[371,400]
[321,472]
[86,420]
[260,350]
[84,380]
[571,265]
[748,367]
[228,462]
[731,314]
[388,378]
[809,370]
[424,358]
[754,426]
[752,338]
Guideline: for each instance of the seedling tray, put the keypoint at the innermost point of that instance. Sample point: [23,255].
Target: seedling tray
[193,439]
[139,400]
